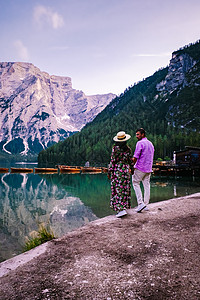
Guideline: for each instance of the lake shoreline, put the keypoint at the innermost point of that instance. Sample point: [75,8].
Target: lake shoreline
[151,254]
[65,202]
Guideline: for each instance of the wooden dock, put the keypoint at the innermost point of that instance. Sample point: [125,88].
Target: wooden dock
[176,170]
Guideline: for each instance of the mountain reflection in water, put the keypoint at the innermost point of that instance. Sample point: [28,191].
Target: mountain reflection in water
[65,201]
[27,200]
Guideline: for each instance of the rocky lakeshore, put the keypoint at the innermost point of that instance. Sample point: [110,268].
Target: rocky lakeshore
[149,255]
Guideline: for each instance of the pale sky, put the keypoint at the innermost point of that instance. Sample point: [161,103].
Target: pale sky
[103,45]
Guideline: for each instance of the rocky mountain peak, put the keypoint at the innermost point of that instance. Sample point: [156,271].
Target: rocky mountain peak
[179,65]
[38,109]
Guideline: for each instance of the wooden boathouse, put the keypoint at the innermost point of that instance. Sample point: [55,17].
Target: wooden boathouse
[185,163]
[190,157]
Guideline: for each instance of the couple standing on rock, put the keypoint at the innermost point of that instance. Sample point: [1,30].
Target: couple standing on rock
[119,169]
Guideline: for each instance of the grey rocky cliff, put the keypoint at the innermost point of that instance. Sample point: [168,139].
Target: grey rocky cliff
[179,66]
[38,110]
[180,91]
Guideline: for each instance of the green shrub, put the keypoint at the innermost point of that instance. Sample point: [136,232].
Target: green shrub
[43,235]
[159,159]
[167,158]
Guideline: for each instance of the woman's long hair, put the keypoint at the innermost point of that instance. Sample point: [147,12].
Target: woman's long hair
[122,145]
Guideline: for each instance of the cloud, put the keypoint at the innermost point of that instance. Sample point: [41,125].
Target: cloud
[152,55]
[59,48]
[99,55]
[22,50]
[44,14]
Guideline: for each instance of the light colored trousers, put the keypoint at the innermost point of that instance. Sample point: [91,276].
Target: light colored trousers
[143,177]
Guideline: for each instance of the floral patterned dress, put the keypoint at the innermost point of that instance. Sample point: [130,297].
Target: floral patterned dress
[120,176]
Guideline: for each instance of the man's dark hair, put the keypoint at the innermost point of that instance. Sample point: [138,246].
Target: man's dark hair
[141,130]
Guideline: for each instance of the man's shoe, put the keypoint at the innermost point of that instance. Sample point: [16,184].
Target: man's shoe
[146,208]
[140,207]
[121,213]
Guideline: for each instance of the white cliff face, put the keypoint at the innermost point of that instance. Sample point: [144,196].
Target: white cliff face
[38,109]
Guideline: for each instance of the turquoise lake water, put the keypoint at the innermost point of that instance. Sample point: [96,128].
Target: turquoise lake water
[65,202]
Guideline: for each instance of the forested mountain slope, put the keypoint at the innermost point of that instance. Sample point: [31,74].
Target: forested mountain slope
[166,104]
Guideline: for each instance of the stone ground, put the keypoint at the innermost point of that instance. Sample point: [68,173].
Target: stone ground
[151,255]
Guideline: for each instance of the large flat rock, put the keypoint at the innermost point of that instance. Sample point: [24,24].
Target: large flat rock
[150,255]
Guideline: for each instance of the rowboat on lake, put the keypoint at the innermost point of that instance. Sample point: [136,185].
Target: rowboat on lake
[69,169]
[21,170]
[4,170]
[91,170]
[46,170]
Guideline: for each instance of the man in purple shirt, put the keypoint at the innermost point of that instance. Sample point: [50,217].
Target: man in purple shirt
[143,159]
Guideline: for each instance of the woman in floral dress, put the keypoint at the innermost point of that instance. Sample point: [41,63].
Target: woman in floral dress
[120,168]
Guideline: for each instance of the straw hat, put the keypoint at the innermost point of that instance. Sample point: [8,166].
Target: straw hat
[121,137]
